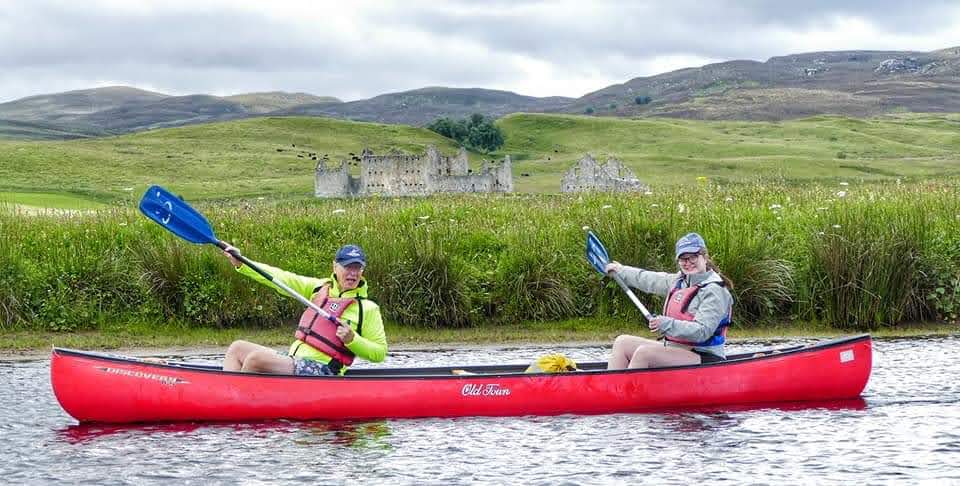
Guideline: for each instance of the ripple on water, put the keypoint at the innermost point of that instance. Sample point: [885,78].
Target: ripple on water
[904,430]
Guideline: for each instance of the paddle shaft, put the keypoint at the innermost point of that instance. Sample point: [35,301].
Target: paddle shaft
[303,300]
[633,297]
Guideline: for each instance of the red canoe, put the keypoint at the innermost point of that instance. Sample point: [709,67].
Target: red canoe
[95,387]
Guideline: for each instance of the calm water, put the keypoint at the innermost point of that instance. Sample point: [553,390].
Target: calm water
[905,430]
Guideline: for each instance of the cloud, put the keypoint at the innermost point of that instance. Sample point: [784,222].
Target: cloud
[361,49]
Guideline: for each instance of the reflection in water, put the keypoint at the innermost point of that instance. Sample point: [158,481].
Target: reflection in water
[910,411]
[857,403]
[343,434]
[82,433]
[706,420]
[686,422]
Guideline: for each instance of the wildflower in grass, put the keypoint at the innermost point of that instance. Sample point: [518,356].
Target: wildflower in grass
[338,211]
[702,180]
[775,207]
[648,193]
[654,205]
[821,209]
[844,183]
[728,199]
[606,206]
[261,198]
[423,218]
[681,208]
[842,194]
[128,189]
[836,226]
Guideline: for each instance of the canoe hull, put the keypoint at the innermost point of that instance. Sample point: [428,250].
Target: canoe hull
[101,388]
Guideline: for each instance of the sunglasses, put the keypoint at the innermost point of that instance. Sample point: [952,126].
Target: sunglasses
[688,258]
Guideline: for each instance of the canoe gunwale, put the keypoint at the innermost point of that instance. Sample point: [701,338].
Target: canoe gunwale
[485,371]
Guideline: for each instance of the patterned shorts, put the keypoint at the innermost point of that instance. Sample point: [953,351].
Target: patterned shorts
[309,367]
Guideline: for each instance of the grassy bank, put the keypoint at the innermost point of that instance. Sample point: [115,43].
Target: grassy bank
[852,257]
[578,331]
[270,157]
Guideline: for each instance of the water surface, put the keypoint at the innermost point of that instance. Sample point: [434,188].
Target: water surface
[905,429]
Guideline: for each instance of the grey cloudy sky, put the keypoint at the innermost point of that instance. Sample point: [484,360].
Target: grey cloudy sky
[359,49]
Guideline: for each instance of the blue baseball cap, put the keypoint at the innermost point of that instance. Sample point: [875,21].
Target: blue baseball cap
[690,243]
[350,254]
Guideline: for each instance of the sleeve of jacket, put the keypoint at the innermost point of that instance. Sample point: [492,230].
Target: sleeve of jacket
[300,284]
[657,283]
[714,306]
[372,345]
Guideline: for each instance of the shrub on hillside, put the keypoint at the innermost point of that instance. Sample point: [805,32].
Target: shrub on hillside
[475,133]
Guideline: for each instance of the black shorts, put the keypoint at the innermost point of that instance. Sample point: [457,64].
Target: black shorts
[706,357]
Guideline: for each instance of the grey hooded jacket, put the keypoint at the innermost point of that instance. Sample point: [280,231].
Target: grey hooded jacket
[709,306]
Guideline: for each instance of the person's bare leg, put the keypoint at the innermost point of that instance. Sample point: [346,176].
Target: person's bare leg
[267,361]
[624,347]
[237,354]
[658,356]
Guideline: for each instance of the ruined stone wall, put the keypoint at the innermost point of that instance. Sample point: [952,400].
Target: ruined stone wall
[393,175]
[503,176]
[589,175]
[398,174]
[467,183]
[331,182]
[448,166]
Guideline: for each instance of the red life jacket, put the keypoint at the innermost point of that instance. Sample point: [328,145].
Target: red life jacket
[676,307]
[321,332]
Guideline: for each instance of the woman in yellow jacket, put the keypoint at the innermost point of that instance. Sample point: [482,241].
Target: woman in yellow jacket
[323,346]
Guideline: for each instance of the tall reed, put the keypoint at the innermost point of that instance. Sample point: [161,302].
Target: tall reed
[855,256]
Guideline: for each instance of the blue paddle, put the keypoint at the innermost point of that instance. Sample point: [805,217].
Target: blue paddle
[178,217]
[598,258]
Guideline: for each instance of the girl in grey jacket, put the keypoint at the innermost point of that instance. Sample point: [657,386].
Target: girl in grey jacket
[696,313]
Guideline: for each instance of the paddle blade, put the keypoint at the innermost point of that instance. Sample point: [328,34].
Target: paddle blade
[176,215]
[596,253]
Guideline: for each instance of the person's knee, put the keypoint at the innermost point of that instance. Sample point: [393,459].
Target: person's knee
[237,346]
[257,361]
[622,341]
[641,357]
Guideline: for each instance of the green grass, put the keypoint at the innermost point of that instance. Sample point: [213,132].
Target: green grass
[858,257]
[248,158]
[47,200]
[241,160]
[167,337]
[672,152]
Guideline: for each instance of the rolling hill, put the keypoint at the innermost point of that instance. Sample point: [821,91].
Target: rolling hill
[852,83]
[119,109]
[275,157]
[848,83]
[421,106]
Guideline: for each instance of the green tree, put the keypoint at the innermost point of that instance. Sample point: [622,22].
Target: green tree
[642,100]
[449,128]
[476,132]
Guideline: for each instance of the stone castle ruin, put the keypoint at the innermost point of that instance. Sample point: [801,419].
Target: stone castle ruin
[589,175]
[397,174]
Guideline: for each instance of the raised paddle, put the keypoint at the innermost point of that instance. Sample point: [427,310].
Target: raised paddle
[598,258]
[178,217]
